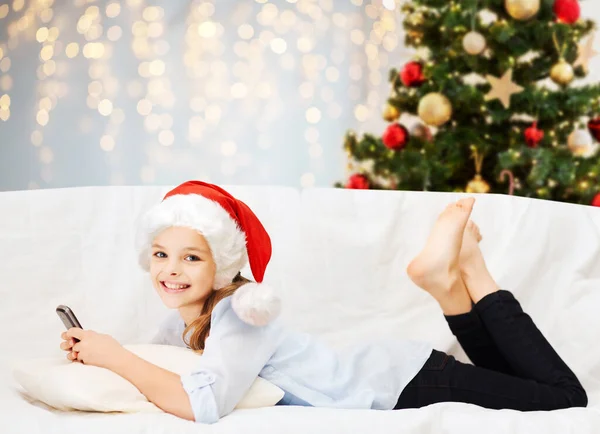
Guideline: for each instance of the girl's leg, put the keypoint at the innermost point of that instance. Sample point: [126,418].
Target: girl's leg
[518,340]
[453,241]
[547,381]
[477,343]
[444,379]
[468,327]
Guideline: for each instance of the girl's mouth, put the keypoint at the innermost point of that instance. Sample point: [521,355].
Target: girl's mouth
[174,287]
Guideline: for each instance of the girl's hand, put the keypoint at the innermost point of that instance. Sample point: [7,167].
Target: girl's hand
[93,348]
[67,345]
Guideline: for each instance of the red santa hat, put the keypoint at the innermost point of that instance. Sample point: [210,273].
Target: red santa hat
[234,234]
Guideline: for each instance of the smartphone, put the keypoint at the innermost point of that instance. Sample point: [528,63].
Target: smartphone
[68,318]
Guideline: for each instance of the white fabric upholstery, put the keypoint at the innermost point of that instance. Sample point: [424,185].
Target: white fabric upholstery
[339,264]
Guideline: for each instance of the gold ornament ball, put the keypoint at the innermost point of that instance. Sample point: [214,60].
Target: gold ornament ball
[474,43]
[478,185]
[435,109]
[415,19]
[391,113]
[562,72]
[522,9]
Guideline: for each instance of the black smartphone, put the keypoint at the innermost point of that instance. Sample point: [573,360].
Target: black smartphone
[68,318]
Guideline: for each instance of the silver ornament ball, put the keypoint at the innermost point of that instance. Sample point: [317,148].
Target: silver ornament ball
[581,144]
[474,43]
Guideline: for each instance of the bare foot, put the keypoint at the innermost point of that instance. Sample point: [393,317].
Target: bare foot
[436,269]
[471,238]
[474,272]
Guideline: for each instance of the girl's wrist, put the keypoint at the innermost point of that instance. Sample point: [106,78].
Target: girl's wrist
[121,360]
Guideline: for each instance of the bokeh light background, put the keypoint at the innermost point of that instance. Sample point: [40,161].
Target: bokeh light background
[229,91]
[128,92]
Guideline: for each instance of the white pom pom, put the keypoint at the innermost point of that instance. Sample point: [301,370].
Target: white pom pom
[256,304]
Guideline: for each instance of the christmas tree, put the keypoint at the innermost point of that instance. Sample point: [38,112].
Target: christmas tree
[494,86]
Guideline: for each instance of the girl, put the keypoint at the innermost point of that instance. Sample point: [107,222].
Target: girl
[195,242]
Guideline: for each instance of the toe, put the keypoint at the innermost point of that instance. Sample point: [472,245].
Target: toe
[462,207]
[478,232]
[468,202]
[462,204]
[451,208]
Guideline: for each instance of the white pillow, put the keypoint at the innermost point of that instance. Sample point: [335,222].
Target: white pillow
[66,385]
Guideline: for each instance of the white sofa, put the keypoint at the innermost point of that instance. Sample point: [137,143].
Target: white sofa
[339,264]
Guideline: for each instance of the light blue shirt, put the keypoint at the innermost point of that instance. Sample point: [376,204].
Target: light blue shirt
[308,370]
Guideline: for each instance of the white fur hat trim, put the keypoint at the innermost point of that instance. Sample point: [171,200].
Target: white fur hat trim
[225,239]
[255,304]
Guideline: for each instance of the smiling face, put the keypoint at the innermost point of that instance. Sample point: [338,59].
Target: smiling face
[182,270]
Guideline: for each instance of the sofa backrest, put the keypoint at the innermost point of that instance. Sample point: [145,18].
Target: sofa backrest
[339,261]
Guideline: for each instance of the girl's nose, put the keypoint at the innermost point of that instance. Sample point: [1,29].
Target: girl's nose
[173,269]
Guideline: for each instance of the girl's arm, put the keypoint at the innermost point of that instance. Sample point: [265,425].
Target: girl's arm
[161,387]
[234,355]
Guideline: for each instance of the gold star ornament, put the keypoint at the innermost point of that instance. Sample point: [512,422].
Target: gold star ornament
[502,88]
[586,52]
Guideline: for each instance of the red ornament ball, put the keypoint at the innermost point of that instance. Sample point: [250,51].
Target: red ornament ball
[596,200]
[594,127]
[358,182]
[567,11]
[395,136]
[412,74]
[533,136]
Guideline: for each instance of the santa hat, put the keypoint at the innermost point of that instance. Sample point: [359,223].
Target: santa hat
[235,237]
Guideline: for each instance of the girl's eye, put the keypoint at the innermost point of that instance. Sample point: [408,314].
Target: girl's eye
[193,257]
[160,255]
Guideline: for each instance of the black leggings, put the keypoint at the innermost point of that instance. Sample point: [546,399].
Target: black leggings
[515,366]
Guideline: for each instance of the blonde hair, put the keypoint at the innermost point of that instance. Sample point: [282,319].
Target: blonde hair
[200,327]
